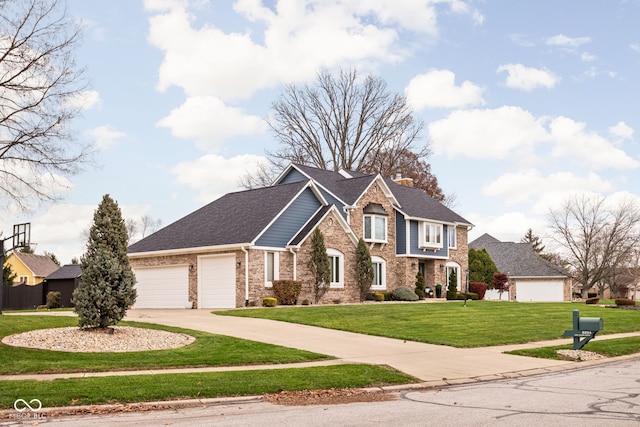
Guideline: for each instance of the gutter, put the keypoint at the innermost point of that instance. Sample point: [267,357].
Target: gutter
[246,276]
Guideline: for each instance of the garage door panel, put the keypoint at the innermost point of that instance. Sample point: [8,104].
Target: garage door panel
[217,282]
[540,291]
[162,287]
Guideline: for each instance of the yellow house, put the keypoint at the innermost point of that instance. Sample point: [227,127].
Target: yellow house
[30,269]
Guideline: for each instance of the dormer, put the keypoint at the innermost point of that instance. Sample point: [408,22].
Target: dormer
[375,223]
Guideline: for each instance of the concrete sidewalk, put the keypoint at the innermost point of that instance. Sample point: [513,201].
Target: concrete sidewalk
[433,364]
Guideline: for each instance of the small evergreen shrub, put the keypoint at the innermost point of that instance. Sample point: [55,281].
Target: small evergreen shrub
[287,291]
[306,302]
[625,301]
[378,296]
[469,295]
[269,302]
[438,291]
[420,285]
[53,300]
[404,294]
[388,296]
[479,288]
[594,300]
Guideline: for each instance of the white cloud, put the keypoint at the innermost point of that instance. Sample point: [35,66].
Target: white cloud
[214,176]
[486,134]
[587,57]
[508,227]
[565,41]
[298,38]
[85,100]
[621,130]
[209,121]
[592,150]
[105,137]
[524,186]
[437,88]
[528,78]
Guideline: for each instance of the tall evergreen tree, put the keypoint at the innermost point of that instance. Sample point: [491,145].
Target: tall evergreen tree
[364,269]
[534,241]
[481,266]
[319,265]
[106,290]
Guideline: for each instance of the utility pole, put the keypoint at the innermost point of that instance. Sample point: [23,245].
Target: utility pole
[20,238]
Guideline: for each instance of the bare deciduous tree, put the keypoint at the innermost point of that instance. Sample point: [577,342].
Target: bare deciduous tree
[40,88]
[342,122]
[597,237]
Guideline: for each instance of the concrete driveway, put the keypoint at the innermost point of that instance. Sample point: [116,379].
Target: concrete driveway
[434,364]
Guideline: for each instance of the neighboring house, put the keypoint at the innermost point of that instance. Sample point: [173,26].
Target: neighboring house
[30,269]
[64,280]
[531,277]
[227,253]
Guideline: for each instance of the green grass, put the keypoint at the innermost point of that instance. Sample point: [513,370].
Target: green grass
[481,323]
[207,350]
[612,348]
[141,388]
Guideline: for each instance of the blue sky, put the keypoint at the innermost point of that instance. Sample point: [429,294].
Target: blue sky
[524,103]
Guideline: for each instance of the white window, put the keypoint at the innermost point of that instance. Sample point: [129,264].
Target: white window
[271,268]
[336,260]
[23,279]
[379,273]
[430,235]
[451,236]
[375,228]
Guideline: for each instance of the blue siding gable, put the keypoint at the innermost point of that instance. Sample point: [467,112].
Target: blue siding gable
[401,234]
[293,176]
[291,221]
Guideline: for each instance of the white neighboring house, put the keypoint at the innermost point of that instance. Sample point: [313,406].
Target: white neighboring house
[531,277]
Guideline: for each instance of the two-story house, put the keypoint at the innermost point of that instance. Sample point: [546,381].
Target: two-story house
[227,253]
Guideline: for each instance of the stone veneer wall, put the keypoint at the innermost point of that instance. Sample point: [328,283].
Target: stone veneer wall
[335,237]
[386,251]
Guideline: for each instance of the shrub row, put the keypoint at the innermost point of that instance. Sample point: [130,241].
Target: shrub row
[592,300]
[625,301]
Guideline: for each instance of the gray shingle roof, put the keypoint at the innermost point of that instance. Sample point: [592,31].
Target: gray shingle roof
[413,201]
[234,218]
[516,259]
[69,271]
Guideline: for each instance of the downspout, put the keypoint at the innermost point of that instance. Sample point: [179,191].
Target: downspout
[246,276]
[293,253]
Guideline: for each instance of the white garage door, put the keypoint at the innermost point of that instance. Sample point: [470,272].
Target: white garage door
[541,291]
[162,287]
[217,281]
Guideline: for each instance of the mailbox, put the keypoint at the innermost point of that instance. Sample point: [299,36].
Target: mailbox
[584,329]
[593,324]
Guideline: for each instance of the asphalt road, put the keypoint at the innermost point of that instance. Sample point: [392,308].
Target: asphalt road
[599,395]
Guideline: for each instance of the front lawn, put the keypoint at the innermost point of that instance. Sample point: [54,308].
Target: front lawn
[145,388]
[610,348]
[207,350]
[481,323]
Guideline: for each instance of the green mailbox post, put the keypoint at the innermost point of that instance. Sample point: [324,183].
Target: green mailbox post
[584,328]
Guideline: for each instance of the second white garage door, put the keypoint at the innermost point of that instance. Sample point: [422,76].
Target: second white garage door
[217,281]
[540,291]
[162,287]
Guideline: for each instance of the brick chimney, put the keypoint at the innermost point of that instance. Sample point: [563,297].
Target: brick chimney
[407,182]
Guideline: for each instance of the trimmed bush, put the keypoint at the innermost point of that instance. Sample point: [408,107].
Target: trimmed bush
[625,301]
[593,300]
[306,302]
[420,285]
[378,296]
[269,302]
[438,291]
[388,296]
[287,291]
[53,299]
[479,288]
[404,294]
